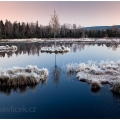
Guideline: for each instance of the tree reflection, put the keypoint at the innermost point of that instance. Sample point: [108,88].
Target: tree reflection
[55,72]
[114,47]
[34,48]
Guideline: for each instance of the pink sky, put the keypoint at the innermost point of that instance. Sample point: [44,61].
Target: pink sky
[80,13]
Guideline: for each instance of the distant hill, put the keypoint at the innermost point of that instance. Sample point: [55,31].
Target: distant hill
[100,27]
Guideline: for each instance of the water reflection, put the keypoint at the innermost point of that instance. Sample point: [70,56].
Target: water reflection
[95,91]
[34,48]
[116,97]
[71,75]
[17,89]
[81,46]
[56,72]
[22,89]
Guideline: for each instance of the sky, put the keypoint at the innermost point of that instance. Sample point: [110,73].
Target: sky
[84,13]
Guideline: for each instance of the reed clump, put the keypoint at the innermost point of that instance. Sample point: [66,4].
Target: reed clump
[61,49]
[17,76]
[96,74]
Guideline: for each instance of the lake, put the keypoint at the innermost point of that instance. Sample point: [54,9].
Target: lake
[62,95]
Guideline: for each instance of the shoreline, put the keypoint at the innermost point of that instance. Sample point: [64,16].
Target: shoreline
[82,40]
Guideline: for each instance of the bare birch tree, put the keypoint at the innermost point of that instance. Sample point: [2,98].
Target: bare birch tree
[54,24]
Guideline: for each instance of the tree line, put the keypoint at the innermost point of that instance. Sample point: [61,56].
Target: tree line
[19,30]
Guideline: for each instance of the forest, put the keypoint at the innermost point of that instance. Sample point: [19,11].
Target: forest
[17,30]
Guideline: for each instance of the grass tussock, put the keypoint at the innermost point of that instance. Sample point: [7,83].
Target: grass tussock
[96,84]
[96,74]
[115,86]
[7,47]
[17,76]
[61,49]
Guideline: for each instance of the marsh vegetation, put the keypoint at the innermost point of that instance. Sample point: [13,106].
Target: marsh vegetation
[63,89]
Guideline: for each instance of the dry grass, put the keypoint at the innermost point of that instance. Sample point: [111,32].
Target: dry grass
[17,76]
[96,84]
[13,48]
[115,86]
[61,49]
[96,74]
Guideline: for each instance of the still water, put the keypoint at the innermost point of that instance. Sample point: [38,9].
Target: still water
[62,96]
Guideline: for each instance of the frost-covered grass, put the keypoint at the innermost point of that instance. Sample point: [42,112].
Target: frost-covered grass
[115,86]
[60,49]
[6,48]
[71,67]
[22,76]
[96,74]
[95,84]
